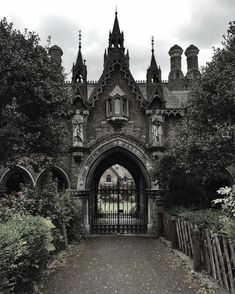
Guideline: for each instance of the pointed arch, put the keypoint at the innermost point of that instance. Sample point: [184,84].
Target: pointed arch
[12,179]
[230,171]
[116,150]
[58,173]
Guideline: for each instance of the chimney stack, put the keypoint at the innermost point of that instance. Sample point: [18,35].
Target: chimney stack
[192,59]
[193,72]
[175,54]
[176,76]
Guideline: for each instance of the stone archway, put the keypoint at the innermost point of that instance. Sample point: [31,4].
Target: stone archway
[132,150]
[58,174]
[122,156]
[132,158]
[13,178]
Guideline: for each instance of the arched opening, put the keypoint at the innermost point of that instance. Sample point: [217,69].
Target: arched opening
[119,206]
[15,178]
[58,175]
[116,192]
[156,103]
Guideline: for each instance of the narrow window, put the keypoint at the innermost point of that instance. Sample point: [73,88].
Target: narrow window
[124,107]
[110,106]
[108,179]
[117,106]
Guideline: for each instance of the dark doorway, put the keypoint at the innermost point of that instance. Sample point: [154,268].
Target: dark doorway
[118,206]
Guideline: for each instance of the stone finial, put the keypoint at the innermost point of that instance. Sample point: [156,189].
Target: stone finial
[152,43]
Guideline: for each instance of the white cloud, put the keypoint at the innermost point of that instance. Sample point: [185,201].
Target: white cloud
[201,22]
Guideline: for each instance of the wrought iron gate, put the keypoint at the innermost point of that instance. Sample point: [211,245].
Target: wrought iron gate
[118,210]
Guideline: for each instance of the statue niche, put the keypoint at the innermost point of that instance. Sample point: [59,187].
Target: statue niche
[77,123]
[157,131]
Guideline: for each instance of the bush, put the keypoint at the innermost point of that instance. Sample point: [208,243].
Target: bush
[229,227]
[227,205]
[15,203]
[203,218]
[228,201]
[25,247]
[63,210]
[47,200]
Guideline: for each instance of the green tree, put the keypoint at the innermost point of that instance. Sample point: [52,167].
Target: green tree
[33,98]
[204,142]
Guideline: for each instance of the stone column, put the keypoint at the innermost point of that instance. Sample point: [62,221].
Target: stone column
[82,197]
[158,206]
[150,216]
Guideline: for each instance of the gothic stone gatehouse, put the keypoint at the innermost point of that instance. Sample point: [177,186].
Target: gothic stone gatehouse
[118,120]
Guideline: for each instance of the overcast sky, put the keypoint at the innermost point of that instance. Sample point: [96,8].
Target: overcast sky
[182,22]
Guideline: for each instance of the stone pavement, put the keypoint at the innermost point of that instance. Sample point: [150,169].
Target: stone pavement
[123,265]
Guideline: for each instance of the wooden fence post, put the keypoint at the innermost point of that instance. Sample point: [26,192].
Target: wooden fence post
[160,223]
[197,265]
[173,234]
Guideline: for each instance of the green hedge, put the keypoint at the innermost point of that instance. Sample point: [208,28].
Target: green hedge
[47,201]
[25,246]
[203,218]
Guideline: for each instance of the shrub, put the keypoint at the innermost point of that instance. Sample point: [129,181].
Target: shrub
[229,227]
[15,203]
[227,202]
[47,200]
[25,247]
[63,210]
[203,218]
[227,205]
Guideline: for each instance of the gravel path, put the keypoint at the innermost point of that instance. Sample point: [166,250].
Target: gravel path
[123,265]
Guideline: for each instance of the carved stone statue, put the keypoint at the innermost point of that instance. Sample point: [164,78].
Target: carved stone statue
[157,132]
[77,123]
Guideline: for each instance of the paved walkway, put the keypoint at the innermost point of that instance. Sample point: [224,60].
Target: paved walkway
[123,265]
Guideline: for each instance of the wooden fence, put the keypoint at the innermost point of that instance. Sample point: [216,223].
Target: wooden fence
[210,252]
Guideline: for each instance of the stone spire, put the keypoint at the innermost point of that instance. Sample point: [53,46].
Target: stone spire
[154,88]
[153,63]
[153,72]
[116,37]
[127,58]
[79,70]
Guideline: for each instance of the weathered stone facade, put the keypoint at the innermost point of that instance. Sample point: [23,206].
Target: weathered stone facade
[118,120]
[124,114]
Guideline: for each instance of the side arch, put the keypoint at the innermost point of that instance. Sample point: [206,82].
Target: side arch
[14,177]
[230,171]
[58,173]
